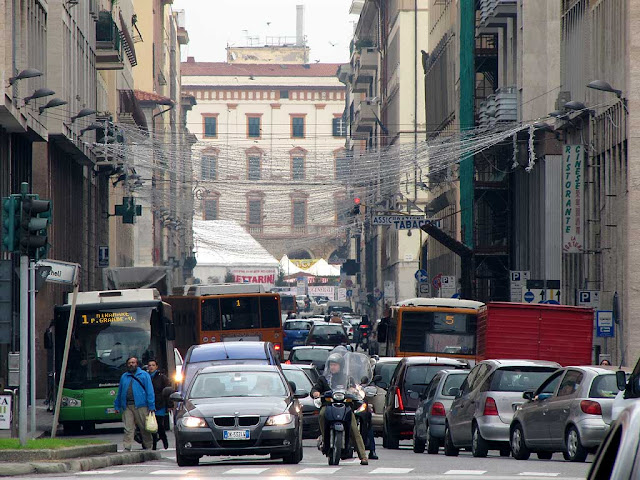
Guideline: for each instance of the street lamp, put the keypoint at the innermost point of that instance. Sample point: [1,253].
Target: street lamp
[54,102]
[26,73]
[578,106]
[604,87]
[85,112]
[39,93]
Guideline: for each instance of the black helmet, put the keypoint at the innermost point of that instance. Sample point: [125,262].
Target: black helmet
[336,358]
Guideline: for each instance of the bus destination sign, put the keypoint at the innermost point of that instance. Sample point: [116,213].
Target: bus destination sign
[102,318]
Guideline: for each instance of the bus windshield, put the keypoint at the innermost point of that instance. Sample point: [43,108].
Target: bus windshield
[240,313]
[438,332]
[103,340]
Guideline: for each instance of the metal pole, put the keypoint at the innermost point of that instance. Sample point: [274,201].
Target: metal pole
[32,344]
[24,347]
[65,357]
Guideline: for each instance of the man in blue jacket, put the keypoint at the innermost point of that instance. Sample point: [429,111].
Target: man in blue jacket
[135,399]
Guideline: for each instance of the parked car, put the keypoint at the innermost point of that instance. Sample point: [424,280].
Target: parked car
[239,410]
[619,455]
[296,374]
[410,380]
[315,355]
[327,334]
[384,368]
[295,333]
[569,413]
[220,353]
[428,431]
[483,409]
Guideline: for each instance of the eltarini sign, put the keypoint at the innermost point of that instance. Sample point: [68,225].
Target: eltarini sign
[266,276]
[572,199]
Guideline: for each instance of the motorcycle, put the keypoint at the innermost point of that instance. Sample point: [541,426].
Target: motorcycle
[342,402]
[364,333]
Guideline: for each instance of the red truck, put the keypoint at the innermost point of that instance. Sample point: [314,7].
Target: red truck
[558,333]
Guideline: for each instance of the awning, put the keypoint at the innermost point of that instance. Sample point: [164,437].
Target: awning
[130,104]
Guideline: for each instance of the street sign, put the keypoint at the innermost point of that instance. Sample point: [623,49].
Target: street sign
[5,412]
[541,295]
[448,288]
[61,272]
[103,256]
[349,293]
[437,283]
[588,298]
[390,291]
[404,222]
[604,323]
[422,276]
[424,288]
[529,296]
[518,283]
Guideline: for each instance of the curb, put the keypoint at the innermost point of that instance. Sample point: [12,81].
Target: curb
[8,469]
[46,454]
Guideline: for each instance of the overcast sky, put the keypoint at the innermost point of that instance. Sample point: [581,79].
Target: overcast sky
[212,24]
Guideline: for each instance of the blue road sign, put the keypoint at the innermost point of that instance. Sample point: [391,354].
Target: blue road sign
[349,293]
[529,297]
[605,326]
[422,276]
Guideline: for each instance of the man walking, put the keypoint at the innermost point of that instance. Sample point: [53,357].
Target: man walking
[135,399]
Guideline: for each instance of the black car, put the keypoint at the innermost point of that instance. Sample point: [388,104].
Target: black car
[404,393]
[239,410]
[332,334]
[315,355]
[296,374]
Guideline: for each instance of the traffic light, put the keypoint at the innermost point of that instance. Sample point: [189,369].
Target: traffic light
[34,221]
[10,234]
[356,206]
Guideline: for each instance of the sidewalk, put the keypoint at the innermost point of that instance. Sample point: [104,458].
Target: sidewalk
[44,420]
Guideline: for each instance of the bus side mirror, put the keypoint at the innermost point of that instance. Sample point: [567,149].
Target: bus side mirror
[48,340]
[171,331]
[621,380]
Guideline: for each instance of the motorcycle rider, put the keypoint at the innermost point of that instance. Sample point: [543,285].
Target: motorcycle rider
[329,381]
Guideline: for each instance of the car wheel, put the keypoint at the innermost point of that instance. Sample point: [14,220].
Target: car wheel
[185,461]
[545,455]
[295,457]
[519,449]
[393,442]
[479,446]
[433,444]
[418,444]
[450,449]
[575,451]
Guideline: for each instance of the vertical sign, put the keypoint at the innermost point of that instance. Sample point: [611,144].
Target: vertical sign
[5,412]
[448,286]
[518,284]
[572,199]
[604,323]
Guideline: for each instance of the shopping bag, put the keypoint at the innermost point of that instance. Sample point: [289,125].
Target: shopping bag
[151,425]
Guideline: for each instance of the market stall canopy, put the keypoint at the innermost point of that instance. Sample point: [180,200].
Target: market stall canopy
[322,269]
[288,267]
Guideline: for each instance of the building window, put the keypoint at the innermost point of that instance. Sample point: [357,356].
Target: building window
[210,127]
[343,168]
[339,127]
[284,93]
[297,168]
[253,167]
[255,213]
[299,214]
[210,209]
[209,167]
[253,127]
[297,127]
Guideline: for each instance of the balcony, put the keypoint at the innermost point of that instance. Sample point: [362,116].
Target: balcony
[364,119]
[369,59]
[109,52]
[362,78]
[493,13]
[356,7]
[501,107]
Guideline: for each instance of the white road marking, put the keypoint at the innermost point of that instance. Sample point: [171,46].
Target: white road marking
[99,472]
[245,471]
[318,471]
[391,471]
[465,472]
[175,473]
[538,474]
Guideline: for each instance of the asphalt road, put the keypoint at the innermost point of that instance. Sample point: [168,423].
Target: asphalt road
[393,464]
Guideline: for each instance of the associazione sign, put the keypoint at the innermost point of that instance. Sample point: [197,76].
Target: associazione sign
[404,222]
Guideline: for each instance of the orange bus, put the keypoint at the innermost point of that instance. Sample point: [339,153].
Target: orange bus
[226,312]
[444,327]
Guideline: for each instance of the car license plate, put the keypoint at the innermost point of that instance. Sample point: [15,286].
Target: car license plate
[110,411]
[298,342]
[235,435]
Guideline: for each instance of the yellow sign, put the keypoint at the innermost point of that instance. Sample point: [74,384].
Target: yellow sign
[304,263]
[101,318]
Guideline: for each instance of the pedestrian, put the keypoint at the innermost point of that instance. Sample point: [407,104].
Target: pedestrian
[605,362]
[160,382]
[135,399]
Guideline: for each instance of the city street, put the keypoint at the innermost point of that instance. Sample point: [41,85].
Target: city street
[396,464]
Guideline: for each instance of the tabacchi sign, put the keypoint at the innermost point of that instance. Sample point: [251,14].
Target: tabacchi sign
[572,199]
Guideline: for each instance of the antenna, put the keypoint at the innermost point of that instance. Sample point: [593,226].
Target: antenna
[225,349]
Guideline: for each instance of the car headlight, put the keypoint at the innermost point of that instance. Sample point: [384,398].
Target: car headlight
[279,420]
[178,377]
[193,422]
[362,408]
[71,402]
[339,396]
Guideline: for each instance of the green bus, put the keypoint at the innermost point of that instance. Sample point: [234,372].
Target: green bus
[109,327]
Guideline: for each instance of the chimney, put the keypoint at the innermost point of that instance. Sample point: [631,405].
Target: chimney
[191,59]
[300,25]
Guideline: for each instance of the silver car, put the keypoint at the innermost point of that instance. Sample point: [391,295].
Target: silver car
[428,431]
[384,367]
[483,409]
[569,413]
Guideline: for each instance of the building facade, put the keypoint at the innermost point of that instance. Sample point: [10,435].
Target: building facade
[270,151]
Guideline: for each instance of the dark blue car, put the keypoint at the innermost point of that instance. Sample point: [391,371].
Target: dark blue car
[295,332]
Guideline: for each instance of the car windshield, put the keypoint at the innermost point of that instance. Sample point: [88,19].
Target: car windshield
[519,379]
[297,325]
[328,331]
[604,386]
[299,378]
[310,355]
[193,367]
[453,381]
[385,370]
[419,376]
[237,384]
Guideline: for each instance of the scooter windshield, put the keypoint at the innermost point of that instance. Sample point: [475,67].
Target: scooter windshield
[354,370]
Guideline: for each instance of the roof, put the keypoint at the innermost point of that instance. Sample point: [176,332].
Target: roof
[228,350]
[434,360]
[240,368]
[311,347]
[523,363]
[440,302]
[152,97]
[223,69]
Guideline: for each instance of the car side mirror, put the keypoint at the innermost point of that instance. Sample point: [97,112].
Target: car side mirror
[301,394]
[621,380]
[383,385]
[454,392]
[292,385]
[176,397]
[527,395]
[167,392]
[370,391]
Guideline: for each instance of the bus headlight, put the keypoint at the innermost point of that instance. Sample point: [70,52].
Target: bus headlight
[178,377]
[279,420]
[193,422]
[71,402]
